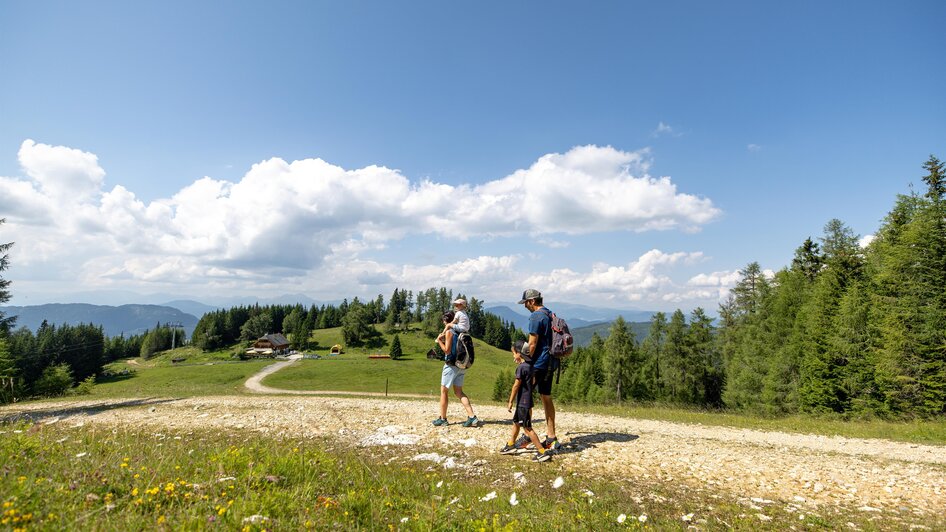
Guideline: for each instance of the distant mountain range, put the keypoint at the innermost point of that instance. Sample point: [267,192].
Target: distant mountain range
[136,318]
[583,321]
[125,319]
[577,316]
[583,335]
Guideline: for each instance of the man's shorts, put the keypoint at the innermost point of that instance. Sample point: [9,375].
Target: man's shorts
[452,376]
[523,417]
[543,381]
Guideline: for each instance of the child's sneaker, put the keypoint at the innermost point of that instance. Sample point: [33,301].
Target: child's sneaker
[471,422]
[509,449]
[440,422]
[551,444]
[543,456]
[523,443]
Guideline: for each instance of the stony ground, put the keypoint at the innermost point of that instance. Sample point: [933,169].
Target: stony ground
[757,467]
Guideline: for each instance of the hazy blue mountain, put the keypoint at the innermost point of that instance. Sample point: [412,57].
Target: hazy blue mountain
[127,319]
[583,334]
[194,308]
[521,319]
[576,315]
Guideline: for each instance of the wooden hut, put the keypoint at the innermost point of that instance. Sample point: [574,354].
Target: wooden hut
[271,344]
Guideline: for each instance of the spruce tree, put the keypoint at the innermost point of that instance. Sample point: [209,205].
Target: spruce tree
[396,348]
[820,373]
[5,322]
[743,342]
[911,274]
[785,336]
[623,362]
[652,349]
[8,372]
[677,357]
[707,369]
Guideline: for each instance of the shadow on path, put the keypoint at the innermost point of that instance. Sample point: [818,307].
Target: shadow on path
[587,440]
[39,415]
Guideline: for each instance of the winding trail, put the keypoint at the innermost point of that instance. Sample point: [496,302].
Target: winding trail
[255,384]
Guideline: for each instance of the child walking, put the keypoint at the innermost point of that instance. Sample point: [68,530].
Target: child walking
[521,396]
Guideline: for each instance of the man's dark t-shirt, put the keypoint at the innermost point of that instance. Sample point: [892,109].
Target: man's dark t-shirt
[540,324]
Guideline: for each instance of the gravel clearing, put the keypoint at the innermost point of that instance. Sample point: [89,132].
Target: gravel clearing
[757,467]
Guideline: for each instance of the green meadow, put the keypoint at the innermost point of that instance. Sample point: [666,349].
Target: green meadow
[61,477]
[412,374]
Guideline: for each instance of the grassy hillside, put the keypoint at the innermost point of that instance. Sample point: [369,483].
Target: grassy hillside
[414,373]
[199,373]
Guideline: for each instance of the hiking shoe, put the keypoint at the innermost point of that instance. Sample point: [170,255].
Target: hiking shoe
[471,422]
[544,456]
[440,422]
[523,443]
[509,449]
[551,444]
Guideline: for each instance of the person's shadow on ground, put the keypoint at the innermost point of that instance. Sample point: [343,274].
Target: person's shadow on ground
[588,440]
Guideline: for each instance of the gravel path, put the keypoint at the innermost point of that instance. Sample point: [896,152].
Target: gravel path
[761,467]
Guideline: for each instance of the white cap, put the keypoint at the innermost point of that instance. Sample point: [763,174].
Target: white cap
[460,301]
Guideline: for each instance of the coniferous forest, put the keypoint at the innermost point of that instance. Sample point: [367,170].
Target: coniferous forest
[857,331]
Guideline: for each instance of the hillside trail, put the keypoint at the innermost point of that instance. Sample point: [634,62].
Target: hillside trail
[803,471]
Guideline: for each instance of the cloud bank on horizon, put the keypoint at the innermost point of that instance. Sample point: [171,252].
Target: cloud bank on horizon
[312,226]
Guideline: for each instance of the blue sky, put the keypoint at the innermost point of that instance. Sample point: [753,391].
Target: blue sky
[622,154]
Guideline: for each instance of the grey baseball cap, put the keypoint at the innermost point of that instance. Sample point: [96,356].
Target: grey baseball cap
[531,293]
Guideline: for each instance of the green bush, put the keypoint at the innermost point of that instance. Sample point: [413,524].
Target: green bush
[85,387]
[503,386]
[55,381]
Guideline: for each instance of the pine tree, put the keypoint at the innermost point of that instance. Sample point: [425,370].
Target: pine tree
[5,322]
[678,360]
[707,363]
[622,361]
[396,348]
[742,338]
[8,372]
[910,275]
[652,349]
[808,259]
[820,376]
[785,335]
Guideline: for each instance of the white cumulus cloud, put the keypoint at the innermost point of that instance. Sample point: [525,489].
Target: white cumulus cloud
[309,220]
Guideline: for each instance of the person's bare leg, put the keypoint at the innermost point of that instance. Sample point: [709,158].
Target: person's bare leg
[464,400]
[534,436]
[444,399]
[549,408]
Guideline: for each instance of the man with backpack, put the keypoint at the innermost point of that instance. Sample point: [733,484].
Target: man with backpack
[543,363]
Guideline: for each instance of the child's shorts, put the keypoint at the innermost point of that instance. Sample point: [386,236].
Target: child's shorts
[523,417]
